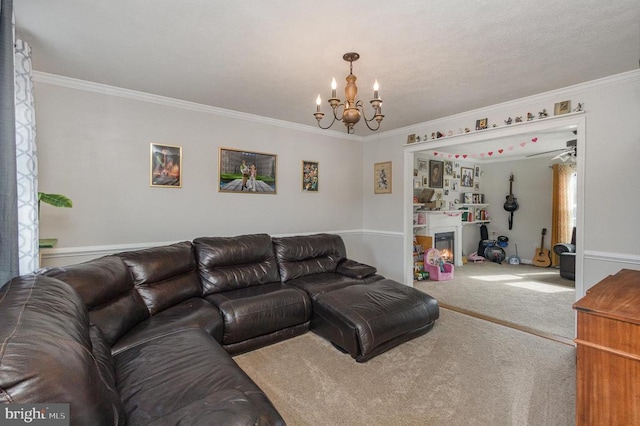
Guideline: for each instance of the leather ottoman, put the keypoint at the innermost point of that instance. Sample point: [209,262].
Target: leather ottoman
[366,320]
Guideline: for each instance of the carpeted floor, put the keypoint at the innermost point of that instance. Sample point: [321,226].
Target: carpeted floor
[465,371]
[526,295]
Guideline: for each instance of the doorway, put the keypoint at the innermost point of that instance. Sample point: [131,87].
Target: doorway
[550,134]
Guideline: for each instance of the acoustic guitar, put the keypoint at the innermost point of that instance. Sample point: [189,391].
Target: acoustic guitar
[511,205]
[542,256]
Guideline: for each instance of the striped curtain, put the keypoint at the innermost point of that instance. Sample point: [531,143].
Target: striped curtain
[563,209]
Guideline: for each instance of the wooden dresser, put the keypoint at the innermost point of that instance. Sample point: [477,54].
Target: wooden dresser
[608,352]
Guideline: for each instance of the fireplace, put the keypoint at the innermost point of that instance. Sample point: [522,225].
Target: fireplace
[445,229]
[445,243]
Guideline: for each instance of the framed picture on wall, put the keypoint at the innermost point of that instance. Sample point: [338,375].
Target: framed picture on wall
[382,178]
[435,173]
[310,176]
[466,177]
[246,172]
[165,163]
[448,168]
[563,107]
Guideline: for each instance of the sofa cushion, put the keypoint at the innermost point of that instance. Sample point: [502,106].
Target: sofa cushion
[165,275]
[106,287]
[191,313]
[47,352]
[255,311]
[354,269]
[300,256]
[102,355]
[317,284]
[168,378]
[230,263]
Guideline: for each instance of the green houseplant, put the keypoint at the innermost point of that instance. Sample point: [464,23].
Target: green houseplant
[56,200]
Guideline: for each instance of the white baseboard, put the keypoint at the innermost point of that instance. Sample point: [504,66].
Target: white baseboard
[602,256]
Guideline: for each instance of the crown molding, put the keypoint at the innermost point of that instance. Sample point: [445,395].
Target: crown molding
[610,81]
[104,89]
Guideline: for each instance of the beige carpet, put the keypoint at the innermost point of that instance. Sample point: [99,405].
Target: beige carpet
[465,371]
[533,297]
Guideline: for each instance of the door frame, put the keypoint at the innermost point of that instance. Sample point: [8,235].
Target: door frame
[575,121]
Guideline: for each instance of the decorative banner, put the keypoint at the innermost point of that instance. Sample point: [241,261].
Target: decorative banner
[483,154]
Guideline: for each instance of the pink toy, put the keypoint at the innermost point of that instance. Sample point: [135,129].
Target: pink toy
[437,268]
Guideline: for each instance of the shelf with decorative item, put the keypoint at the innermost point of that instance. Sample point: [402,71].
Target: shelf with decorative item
[474,213]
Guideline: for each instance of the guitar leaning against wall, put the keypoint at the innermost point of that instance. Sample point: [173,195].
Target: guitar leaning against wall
[542,257]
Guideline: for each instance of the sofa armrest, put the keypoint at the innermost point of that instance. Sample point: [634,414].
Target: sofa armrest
[353,269]
[561,248]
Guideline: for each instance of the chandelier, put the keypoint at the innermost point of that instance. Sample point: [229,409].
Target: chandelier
[352,108]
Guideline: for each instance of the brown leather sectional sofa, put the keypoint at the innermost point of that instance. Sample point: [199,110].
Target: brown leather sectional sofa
[146,337]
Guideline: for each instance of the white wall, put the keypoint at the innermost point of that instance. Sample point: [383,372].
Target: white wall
[532,187]
[93,145]
[611,236]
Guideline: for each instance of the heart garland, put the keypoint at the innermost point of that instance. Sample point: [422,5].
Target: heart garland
[483,154]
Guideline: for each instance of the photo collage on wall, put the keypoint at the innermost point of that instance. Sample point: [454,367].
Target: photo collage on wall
[448,179]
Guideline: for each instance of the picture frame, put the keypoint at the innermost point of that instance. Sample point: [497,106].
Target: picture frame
[448,168]
[436,169]
[466,177]
[422,165]
[382,178]
[165,166]
[310,178]
[563,107]
[247,171]
[411,138]
[481,124]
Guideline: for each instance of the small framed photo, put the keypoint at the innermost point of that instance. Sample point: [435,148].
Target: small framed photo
[165,166]
[466,177]
[247,172]
[562,108]
[309,176]
[448,168]
[411,138]
[422,165]
[382,178]
[476,169]
[481,124]
[435,173]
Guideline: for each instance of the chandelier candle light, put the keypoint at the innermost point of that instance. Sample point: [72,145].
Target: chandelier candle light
[352,108]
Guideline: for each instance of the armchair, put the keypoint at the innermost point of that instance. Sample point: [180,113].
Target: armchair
[567,255]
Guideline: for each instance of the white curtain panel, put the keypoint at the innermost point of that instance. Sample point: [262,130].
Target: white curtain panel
[26,160]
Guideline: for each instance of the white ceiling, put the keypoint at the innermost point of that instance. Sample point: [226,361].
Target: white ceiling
[271,58]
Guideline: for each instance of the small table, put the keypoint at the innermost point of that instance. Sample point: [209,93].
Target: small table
[47,242]
[366,320]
